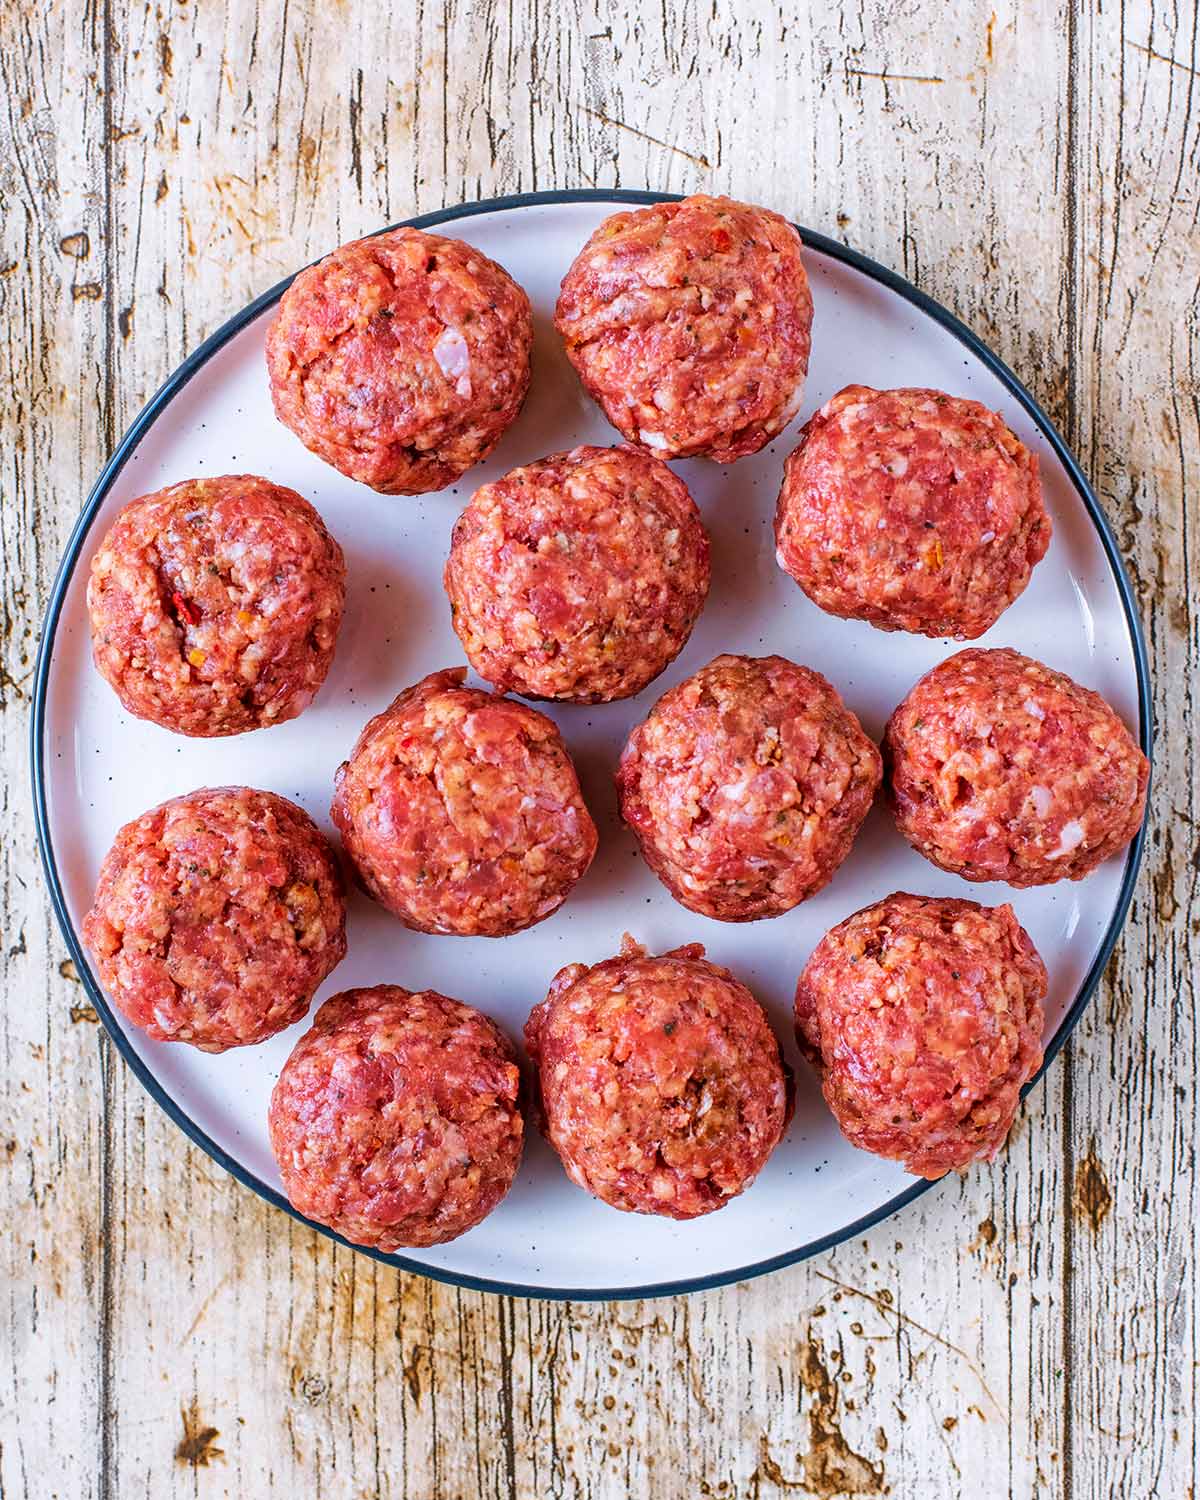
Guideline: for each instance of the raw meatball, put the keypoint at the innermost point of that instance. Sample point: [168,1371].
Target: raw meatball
[401,360]
[662,1085]
[911,509]
[690,324]
[215,605]
[216,918]
[395,1121]
[1000,768]
[462,812]
[923,1016]
[746,786]
[579,576]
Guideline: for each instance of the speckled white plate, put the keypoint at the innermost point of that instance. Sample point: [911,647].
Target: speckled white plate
[95,767]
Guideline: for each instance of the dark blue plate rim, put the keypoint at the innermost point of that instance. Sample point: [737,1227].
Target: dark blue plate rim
[145,420]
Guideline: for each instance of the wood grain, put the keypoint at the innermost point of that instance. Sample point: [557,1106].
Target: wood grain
[1030,1331]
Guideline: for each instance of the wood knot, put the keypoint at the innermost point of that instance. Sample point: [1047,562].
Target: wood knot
[1092,1198]
[197,1448]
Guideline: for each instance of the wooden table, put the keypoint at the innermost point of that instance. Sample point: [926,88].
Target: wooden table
[1029,1331]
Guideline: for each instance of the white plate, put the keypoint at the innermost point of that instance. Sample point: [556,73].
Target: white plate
[95,767]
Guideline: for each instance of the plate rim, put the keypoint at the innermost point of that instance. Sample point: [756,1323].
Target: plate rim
[132,437]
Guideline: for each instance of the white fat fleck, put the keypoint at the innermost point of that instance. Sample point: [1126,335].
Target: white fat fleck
[898,467]
[671,537]
[250,662]
[847,413]
[664,400]
[623,309]
[765,752]
[653,439]
[988,536]
[454,359]
[1042,800]
[1070,838]
[735,791]
[1034,710]
[881,524]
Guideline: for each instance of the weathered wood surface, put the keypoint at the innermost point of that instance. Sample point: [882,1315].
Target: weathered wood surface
[1030,1332]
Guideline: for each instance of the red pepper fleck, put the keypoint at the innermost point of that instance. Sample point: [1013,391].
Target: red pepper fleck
[721,239]
[185,609]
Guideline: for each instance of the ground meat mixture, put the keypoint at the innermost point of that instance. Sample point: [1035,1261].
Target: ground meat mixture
[396,1121]
[923,1016]
[462,812]
[215,605]
[690,323]
[662,1085]
[216,917]
[580,576]
[402,359]
[1000,768]
[746,786]
[913,510]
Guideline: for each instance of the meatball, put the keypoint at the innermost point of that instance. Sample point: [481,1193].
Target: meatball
[746,786]
[911,509]
[396,1121]
[462,812]
[923,1016]
[215,605]
[216,917]
[578,577]
[690,323]
[1000,768]
[662,1085]
[401,359]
